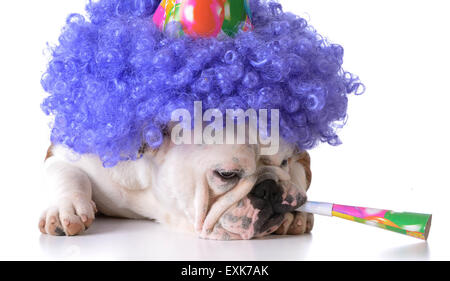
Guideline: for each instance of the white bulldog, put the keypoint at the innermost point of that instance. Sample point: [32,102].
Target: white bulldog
[215,191]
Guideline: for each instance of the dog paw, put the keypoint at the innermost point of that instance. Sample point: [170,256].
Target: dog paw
[296,223]
[70,216]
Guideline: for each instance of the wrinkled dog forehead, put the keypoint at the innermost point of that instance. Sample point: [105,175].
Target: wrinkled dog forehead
[230,157]
[245,155]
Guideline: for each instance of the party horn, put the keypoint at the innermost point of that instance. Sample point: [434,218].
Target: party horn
[412,224]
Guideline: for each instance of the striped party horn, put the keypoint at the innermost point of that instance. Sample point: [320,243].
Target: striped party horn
[412,224]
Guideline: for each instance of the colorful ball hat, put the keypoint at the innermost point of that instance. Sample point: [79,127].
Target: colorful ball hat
[204,18]
[115,76]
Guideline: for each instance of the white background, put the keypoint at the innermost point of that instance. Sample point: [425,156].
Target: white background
[395,153]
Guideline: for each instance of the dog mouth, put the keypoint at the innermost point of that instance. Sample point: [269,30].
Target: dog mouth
[268,219]
[261,212]
[270,225]
[245,221]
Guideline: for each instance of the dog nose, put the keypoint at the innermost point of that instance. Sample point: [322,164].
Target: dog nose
[268,190]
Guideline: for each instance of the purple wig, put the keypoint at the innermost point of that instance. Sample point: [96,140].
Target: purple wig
[114,78]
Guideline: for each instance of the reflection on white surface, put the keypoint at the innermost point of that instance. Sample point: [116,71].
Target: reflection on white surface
[413,251]
[112,238]
[119,239]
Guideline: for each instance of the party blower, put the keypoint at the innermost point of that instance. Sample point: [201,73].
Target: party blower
[412,224]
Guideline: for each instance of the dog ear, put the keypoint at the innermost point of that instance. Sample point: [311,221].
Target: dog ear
[49,152]
[305,160]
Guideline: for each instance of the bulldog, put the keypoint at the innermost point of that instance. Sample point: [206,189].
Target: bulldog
[214,191]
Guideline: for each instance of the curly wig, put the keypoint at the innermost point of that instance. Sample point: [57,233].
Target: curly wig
[114,78]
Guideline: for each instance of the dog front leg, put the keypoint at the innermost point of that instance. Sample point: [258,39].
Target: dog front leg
[72,210]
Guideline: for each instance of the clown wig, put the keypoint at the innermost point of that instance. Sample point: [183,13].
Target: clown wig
[114,78]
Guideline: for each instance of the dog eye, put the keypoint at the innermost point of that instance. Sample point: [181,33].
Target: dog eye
[284,163]
[227,175]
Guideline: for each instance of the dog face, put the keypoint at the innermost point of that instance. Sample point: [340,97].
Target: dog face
[231,191]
